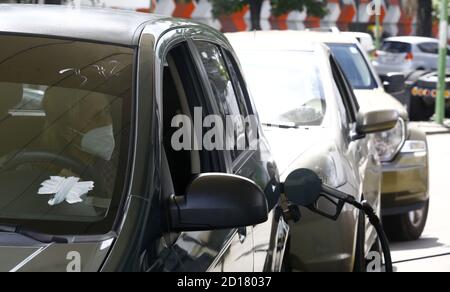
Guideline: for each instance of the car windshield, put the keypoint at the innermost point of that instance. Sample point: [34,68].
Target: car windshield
[64,124]
[396,47]
[287,86]
[354,65]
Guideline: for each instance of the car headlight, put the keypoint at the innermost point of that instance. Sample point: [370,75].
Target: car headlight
[414,147]
[389,143]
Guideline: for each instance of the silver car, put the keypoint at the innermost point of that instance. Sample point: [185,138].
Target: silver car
[310,117]
[406,54]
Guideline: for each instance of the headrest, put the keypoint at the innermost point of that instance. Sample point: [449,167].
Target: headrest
[59,100]
[75,106]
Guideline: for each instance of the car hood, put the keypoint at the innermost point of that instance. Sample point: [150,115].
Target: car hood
[21,254]
[288,145]
[378,99]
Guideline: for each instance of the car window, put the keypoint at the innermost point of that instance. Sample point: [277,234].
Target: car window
[286,86]
[346,94]
[429,48]
[231,107]
[65,111]
[182,95]
[396,47]
[240,89]
[354,65]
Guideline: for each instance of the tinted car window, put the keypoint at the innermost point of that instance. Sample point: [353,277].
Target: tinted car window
[429,48]
[230,106]
[349,102]
[67,105]
[286,85]
[239,86]
[354,66]
[396,47]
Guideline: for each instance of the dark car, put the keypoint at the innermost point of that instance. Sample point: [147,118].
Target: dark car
[422,94]
[92,175]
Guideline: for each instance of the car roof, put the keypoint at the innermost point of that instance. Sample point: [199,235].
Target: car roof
[91,24]
[411,39]
[356,34]
[277,40]
[292,38]
[335,38]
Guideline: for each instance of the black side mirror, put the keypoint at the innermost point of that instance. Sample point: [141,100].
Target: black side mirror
[303,187]
[218,201]
[394,83]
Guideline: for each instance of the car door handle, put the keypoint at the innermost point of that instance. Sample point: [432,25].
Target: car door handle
[242,233]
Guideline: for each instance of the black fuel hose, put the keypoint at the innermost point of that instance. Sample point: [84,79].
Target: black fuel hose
[373,219]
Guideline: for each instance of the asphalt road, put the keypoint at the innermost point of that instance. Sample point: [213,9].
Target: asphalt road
[432,252]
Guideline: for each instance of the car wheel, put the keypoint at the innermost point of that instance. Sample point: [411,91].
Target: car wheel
[360,252]
[407,227]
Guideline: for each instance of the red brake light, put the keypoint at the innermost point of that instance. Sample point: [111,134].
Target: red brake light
[409,56]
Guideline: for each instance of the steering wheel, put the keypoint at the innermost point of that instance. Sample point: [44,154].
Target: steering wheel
[27,156]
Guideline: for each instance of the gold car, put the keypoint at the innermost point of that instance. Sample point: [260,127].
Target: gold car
[403,151]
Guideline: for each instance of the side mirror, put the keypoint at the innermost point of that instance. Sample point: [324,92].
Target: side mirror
[303,187]
[218,201]
[376,121]
[394,83]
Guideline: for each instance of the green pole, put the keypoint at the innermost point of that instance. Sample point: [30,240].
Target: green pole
[443,32]
[377,24]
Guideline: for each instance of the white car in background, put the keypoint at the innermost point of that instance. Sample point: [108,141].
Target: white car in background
[365,39]
[407,54]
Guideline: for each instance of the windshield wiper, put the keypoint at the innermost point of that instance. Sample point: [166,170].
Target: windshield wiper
[281,125]
[43,238]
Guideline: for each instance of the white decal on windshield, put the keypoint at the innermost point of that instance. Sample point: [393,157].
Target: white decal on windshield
[65,189]
[77,73]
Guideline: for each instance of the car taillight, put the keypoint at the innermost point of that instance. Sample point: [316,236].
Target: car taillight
[409,57]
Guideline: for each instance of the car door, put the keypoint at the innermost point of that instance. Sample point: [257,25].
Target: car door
[362,153]
[238,253]
[351,147]
[181,90]
[366,156]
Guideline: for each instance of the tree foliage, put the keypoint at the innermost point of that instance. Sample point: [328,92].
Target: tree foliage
[227,7]
[314,7]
